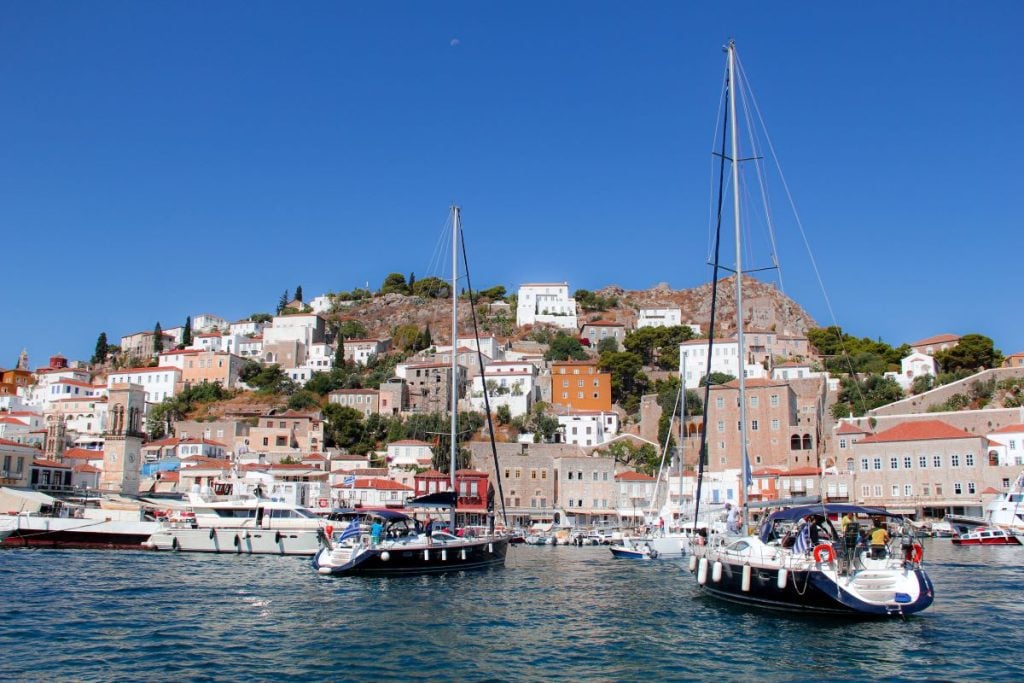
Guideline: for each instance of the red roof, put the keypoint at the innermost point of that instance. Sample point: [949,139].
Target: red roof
[409,442]
[848,428]
[432,474]
[12,421]
[989,491]
[86,469]
[82,454]
[633,476]
[1010,429]
[937,339]
[41,462]
[925,430]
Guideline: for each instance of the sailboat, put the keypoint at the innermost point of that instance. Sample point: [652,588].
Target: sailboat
[389,542]
[798,561]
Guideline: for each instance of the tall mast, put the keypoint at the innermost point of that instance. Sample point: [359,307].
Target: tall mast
[455,365]
[741,348]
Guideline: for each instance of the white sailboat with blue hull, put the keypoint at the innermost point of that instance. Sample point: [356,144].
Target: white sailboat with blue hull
[798,561]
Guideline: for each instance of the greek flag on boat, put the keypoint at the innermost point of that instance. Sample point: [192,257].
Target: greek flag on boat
[351,531]
[803,540]
[349,480]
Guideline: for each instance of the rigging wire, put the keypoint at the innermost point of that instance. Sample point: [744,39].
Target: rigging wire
[711,175]
[483,377]
[807,245]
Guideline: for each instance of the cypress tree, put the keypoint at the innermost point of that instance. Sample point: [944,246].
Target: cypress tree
[102,349]
[158,338]
[282,302]
[339,354]
[186,336]
[298,293]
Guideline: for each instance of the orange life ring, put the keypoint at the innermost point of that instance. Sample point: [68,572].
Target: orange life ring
[824,553]
[323,502]
[330,530]
[916,553]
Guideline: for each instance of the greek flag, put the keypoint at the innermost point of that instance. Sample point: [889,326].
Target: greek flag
[349,480]
[803,540]
[351,531]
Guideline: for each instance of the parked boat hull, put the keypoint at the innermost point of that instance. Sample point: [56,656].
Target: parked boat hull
[237,541]
[398,560]
[61,532]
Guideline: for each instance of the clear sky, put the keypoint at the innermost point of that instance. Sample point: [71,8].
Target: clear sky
[165,159]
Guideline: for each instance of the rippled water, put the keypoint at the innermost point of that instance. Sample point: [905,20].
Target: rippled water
[560,613]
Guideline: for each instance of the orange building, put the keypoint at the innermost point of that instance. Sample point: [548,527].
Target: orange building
[578,385]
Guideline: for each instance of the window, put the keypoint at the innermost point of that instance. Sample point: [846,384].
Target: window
[864,464]
[894,463]
[754,401]
[719,402]
[957,489]
[595,479]
[971,488]
[936,461]
[569,474]
[922,461]
[1006,483]
[579,394]
[774,400]
[543,474]
[938,489]
[508,473]
[926,490]
[969,459]
[895,491]
[519,473]
[721,426]
[865,490]
[533,474]
[878,490]
[753,425]
[842,442]
[954,460]
[907,462]
[775,425]
[877,464]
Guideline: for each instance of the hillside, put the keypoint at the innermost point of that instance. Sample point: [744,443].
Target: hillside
[765,309]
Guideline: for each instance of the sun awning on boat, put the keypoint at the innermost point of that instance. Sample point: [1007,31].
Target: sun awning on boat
[901,511]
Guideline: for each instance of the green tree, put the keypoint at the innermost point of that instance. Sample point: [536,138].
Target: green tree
[158,338]
[339,353]
[974,352]
[102,349]
[352,329]
[607,345]
[424,339]
[343,426]
[406,337]
[282,303]
[432,288]
[716,378]
[565,347]
[921,384]
[186,335]
[642,457]
[302,399]
[298,293]
[496,293]
[503,414]
[845,353]
[856,397]
[628,379]
[394,283]
[261,317]
[268,379]
[412,281]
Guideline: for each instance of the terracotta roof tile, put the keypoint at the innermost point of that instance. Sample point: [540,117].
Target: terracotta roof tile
[925,430]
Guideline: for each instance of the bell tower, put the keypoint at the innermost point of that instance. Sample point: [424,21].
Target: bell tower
[122,449]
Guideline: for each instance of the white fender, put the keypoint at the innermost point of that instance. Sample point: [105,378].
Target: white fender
[702,571]
[463,553]
[781,581]
[426,554]
[716,571]
[444,555]
[385,556]
[746,578]
[693,563]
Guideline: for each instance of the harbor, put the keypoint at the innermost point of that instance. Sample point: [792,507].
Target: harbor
[553,613]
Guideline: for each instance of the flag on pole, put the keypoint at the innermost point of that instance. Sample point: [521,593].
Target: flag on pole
[803,540]
[351,531]
[349,480]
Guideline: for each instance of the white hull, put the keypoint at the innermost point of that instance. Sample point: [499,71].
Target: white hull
[72,532]
[237,541]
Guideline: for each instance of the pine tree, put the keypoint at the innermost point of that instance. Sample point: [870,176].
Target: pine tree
[339,354]
[412,281]
[186,336]
[158,338]
[283,302]
[298,293]
[102,349]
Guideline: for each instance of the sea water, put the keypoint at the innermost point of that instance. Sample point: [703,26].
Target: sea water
[553,613]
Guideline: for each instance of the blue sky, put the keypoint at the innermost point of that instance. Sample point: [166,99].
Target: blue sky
[164,159]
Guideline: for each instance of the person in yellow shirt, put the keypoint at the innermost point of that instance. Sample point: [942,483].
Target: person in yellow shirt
[879,539]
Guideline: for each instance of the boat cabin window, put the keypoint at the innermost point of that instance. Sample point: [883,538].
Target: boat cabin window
[737,547]
[234,513]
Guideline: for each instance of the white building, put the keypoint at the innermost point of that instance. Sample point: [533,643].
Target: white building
[546,303]
[512,384]
[207,341]
[409,452]
[915,365]
[661,317]
[359,351]
[207,322]
[588,427]
[321,304]
[372,492]
[1006,445]
[693,361]
[158,383]
[250,347]
[247,328]
[490,347]
[319,357]
[43,396]
[307,328]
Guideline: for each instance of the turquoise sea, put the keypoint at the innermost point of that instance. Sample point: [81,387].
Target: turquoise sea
[561,614]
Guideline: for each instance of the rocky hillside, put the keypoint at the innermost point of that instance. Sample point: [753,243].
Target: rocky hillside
[765,308]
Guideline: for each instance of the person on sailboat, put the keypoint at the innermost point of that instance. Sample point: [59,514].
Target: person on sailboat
[732,519]
[879,539]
